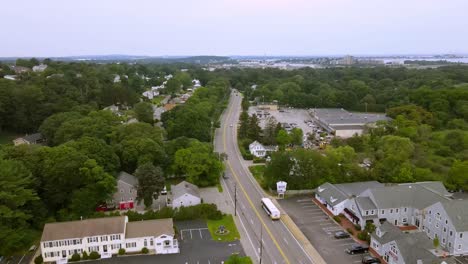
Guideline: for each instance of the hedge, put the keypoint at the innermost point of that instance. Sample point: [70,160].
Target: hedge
[144,250]
[122,251]
[75,257]
[94,255]
[200,211]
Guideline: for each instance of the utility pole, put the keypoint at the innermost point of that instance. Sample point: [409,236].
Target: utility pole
[235,199]
[261,243]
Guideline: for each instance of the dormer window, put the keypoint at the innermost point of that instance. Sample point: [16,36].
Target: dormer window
[320,189]
[333,199]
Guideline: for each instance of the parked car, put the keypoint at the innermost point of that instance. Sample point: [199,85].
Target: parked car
[341,235]
[370,260]
[164,191]
[357,249]
[33,248]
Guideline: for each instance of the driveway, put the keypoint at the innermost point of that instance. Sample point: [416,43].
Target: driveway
[319,229]
[211,195]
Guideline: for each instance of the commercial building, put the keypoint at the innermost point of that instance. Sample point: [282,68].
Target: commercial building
[106,236]
[342,123]
[427,206]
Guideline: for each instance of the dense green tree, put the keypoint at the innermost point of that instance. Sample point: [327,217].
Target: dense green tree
[150,183]
[457,176]
[283,138]
[144,112]
[254,131]
[199,164]
[296,136]
[243,125]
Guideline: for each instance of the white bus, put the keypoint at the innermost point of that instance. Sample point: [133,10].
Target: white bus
[270,209]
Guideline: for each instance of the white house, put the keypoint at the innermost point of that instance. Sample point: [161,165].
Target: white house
[106,236]
[10,77]
[257,149]
[156,235]
[148,94]
[39,68]
[183,194]
[35,138]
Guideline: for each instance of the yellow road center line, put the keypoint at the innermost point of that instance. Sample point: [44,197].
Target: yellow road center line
[250,200]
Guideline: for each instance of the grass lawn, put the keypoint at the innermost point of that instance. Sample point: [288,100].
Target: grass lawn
[228,222]
[257,172]
[7,137]
[236,259]
[157,100]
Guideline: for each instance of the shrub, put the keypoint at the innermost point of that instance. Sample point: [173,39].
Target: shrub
[350,231]
[85,255]
[144,250]
[357,227]
[94,255]
[38,260]
[337,218]
[258,160]
[75,257]
[364,236]
[122,251]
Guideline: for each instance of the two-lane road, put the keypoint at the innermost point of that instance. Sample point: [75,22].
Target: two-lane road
[278,244]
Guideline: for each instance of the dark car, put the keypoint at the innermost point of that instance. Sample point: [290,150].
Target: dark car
[357,249]
[370,260]
[341,234]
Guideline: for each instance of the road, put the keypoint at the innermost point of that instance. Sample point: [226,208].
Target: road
[278,244]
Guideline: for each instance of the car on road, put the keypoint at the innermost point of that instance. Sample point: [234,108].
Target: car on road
[370,260]
[230,125]
[341,235]
[357,249]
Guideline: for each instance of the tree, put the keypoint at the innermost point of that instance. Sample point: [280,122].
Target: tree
[269,133]
[199,164]
[150,183]
[458,176]
[254,129]
[16,193]
[296,136]
[140,150]
[173,86]
[50,126]
[283,138]
[243,131]
[144,112]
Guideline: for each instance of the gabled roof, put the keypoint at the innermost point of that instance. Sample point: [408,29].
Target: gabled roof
[407,195]
[415,247]
[457,211]
[389,233]
[356,188]
[127,178]
[365,203]
[331,194]
[84,228]
[148,228]
[33,137]
[183,188]
[256,143]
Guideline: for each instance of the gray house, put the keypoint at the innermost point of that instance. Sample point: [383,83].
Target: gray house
[448,221]
[125,197]
[397,247]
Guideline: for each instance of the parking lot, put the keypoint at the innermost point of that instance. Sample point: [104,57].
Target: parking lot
[196,247]
[319,229]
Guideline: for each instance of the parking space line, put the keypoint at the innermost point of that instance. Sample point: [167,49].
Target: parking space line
[322,224]
[201,236]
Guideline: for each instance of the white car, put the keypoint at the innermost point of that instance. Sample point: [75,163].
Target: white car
[230,125]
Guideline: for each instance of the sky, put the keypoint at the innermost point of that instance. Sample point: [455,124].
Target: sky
[51,28]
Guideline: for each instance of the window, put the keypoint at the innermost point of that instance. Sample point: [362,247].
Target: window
[391,211]
[430,220]
[428,231]
[92,240]
[104,238]
[405,209]
[450,244]
[367,212]
[438,216]
[396,210]
[131,245]
[145,243]
[121,190]
[446,221]
[167,243]
[437,225]
[430,212]
[383,212]
[461,235]
[459,246]
[443,241]
[445,229]
[151,242]
[451,233]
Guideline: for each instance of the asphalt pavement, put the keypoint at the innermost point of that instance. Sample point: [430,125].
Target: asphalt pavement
[260,236]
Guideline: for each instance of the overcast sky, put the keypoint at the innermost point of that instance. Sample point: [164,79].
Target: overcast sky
[232,27]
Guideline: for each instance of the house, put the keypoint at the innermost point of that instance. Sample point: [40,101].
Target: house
[183,194]
[397,247]
[35,138]
[448,220]
[337,196]
[20,69]
[39,68]
[196,84]
[156,235]
[168,77]
[125,197]
[257,149]
[116,78]
[148,94]
[106,236]
[10,77]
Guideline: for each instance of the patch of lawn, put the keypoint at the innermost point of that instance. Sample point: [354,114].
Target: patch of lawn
[228,222]
[236,259]
[157,100]
[257,171]
[220,187]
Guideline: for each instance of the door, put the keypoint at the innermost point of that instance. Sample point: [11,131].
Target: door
[64,254]
[104,248]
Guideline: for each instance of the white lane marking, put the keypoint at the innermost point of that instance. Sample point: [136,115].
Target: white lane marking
[191,237]
[240,219]
[201,236]
[322,224]
[21,259]
[303,200]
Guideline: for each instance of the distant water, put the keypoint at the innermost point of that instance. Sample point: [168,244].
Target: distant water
[401,60]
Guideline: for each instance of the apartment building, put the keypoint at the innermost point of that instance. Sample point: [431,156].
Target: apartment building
[106,236]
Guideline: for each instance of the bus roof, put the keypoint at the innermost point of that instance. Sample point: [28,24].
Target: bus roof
[270,205]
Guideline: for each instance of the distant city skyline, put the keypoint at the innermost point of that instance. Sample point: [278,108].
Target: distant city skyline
[53,28]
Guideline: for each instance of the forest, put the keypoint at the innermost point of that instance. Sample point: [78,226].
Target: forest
[427,138]
[75,171]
